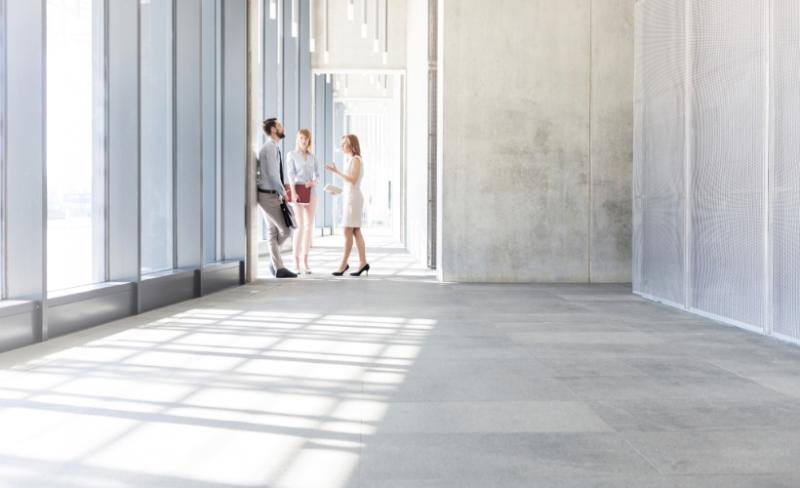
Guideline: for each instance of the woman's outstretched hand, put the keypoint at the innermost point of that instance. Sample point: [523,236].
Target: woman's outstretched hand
[331,167]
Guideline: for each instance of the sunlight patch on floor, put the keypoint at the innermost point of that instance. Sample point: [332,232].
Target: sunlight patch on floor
[236,398]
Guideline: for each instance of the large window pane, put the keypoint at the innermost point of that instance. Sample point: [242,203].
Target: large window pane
[157,123]
[2,141]
[75,147]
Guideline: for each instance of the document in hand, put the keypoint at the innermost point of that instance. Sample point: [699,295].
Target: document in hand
[332,189]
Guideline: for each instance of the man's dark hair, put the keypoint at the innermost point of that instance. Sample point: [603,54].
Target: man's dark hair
[269,124]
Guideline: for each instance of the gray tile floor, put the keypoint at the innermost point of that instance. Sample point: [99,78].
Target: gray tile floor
[396,381]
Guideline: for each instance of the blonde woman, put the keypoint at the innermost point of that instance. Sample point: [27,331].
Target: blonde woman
[303,177]
[353,205]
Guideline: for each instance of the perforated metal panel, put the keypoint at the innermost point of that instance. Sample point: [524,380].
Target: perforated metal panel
[728,160]
[741,161]
[659,150]
[785,184]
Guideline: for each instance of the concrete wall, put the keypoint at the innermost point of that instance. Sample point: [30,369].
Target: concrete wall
[535,141]
[611,142]
[417,127]
[348,50]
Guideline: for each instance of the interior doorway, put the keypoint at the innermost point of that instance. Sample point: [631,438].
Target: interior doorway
[370,105]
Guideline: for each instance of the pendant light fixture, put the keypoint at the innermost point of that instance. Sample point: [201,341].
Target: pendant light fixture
[376,43]
[364,26]
[295,16]
[312,42]
[326,55]
[385,31]
[280,32]
[273,9]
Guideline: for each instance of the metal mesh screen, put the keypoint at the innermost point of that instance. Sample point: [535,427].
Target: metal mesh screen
[785,187]
[728,131]
[737,141]
[659,150]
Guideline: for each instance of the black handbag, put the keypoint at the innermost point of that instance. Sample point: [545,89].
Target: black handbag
[288,216]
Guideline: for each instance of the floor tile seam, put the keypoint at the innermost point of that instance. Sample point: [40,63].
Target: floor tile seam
[732,371]
[701,431]
[488,402]
[656,376]
[643,397]
[555,435]
[662,376]
[592,479]
[705,402]
[775,430]
[640,454]
[751,379]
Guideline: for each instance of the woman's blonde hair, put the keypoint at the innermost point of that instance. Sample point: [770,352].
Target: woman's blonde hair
[307,133]
[354,144]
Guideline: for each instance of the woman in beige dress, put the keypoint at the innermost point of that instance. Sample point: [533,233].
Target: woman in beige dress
[353,205]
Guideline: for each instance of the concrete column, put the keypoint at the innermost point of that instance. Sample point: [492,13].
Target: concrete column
[323,118]
[254,82]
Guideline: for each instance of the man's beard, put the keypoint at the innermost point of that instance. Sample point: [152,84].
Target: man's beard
[281,135]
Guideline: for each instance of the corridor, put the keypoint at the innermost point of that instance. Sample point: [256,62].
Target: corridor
[397,381]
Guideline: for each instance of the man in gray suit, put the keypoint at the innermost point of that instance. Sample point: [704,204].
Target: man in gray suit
[271,193]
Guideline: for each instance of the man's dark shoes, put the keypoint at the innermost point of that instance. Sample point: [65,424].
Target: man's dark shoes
[285,273]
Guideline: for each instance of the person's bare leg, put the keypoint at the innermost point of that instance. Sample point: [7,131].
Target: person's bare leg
[362,248]
[297,240]
[348,245]
[308,214]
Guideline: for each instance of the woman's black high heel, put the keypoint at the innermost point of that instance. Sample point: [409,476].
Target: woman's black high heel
[365,269]
[340,273]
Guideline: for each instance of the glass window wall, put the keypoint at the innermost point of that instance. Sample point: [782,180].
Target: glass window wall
[75,143]
[2,142]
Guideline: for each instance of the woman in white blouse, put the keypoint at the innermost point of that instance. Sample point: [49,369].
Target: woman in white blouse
[303,176]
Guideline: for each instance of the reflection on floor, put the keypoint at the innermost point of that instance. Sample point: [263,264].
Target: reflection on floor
[398,381]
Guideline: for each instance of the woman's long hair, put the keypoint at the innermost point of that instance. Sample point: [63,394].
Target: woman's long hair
[354,144]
